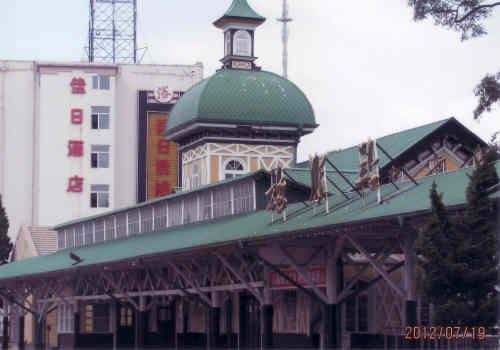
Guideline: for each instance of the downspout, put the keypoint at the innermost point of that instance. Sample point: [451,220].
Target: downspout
[3,72]
[35,147]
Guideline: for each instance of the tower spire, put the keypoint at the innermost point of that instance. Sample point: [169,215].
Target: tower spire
[284,36]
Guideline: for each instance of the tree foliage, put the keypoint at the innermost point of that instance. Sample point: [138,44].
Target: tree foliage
[5,244]
[460,253]
[467,18]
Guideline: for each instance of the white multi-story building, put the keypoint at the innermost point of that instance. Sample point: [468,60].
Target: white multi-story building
[69,136]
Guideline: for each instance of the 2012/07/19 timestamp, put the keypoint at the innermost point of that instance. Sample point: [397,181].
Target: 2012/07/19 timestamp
[446,332]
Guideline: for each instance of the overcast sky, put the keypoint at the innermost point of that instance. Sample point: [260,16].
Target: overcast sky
[366,67]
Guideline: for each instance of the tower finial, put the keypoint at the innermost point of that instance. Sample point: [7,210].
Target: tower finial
[285,19]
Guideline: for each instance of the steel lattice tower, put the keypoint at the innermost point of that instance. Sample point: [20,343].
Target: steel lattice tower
[285,19]
[112,31]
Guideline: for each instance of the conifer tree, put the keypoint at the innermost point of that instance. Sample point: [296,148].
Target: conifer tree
[5,244]
[439,241]
[478,251]
[460,254]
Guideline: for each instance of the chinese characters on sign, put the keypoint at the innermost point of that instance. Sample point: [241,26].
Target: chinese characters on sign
[162,159]
[75,147]
[75,184]
[163,94]
[76,116]
[317,276]
[77,85]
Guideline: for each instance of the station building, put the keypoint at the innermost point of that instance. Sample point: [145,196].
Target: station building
[211,266]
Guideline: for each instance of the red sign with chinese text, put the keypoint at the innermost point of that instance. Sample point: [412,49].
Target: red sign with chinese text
[75,184]
[76,116]
[162,158]
[75,148]
[316,274]
[77,85]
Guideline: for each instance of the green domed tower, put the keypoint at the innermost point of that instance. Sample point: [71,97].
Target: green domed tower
[242,118]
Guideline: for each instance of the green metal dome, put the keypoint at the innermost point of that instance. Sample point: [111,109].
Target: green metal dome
[242,98]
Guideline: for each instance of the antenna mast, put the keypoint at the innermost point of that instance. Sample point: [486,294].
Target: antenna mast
[284,36]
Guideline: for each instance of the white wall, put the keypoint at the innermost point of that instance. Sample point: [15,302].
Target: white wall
[131,79]
[55,204]
[17,90]
[35,104]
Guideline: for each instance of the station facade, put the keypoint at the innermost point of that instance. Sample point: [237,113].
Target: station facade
[211,266]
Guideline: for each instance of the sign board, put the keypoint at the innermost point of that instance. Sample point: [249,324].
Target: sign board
[242,65]
[316,274]
[162,158]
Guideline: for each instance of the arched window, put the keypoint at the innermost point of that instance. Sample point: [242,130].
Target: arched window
[233,168]
[242,45]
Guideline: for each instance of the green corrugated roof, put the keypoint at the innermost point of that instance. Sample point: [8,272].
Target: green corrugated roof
[410,199]
[156,200]
[395,144]
[242,97]
[241,9]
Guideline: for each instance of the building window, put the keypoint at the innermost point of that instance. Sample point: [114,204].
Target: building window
[89,232]
[126,317]
[99,230]
[65,318]
[206,205]
[133,222]
[99,158]
[99,196]
[100,82]
[242,43]
[96,318]
[175,213]
[70,237]
[437,166]
[61,240]
[290,310]
[222,201]
[243,197]
[195,178]
[147,219]
[78,235]
[232,169]
[100,117]
[160,216]
[356,313]
[190,210]
[121,225]
[110,228]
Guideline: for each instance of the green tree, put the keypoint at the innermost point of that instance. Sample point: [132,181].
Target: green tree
[478,250]
[5,243]
[466,17]
[438,243]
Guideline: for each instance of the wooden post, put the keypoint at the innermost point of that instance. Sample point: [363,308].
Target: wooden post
[21,332]
[114,315]
[410,283]
[76,328]
[331,312]
[5,335]
[267,312]
[214,321]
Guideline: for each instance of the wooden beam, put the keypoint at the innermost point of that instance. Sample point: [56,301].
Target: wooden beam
[369,284]
[392,160]
[286,277]
[345,179]
[252,290]
[377,267]
[191,283]
[302,273]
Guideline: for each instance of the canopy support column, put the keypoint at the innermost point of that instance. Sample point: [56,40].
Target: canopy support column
[331,310]
[267,312]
